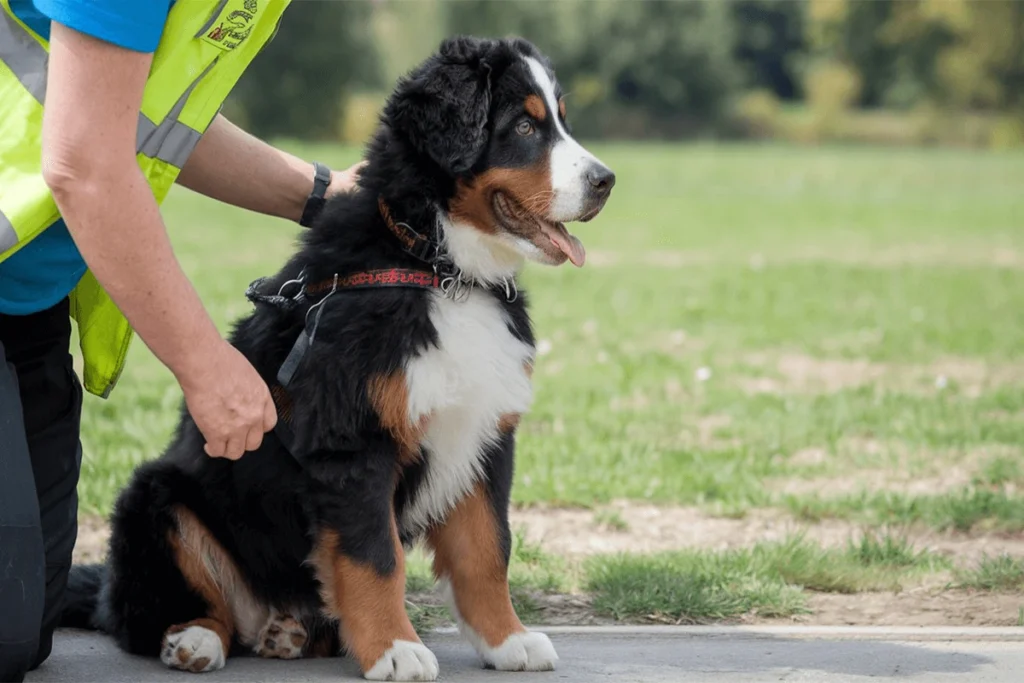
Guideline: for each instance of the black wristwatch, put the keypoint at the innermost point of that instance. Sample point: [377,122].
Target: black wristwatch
[315,202]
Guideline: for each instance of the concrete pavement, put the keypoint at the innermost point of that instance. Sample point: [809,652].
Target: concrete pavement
[627,655]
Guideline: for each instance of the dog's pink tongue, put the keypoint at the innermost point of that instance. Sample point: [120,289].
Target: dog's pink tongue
[569,244]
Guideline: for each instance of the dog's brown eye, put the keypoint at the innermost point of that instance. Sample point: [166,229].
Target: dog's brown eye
[524,128]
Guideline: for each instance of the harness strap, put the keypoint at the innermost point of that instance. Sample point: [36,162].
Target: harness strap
[358,281]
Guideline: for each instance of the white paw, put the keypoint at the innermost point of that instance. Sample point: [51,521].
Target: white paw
[528,651]
[405,661]
[194,649]
[282,637]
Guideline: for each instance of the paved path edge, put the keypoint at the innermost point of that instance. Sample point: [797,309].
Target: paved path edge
[964,633]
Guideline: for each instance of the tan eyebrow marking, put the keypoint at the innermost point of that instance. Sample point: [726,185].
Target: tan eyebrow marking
[535,107]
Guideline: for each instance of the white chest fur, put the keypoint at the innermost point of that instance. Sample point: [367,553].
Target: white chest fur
[474,376]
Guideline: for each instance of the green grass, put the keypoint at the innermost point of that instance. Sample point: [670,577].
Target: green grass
[1000,573]
[688,587]
[965,510]
[734,259]
[768,579]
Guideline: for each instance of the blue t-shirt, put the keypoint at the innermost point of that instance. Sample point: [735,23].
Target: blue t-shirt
[46,269]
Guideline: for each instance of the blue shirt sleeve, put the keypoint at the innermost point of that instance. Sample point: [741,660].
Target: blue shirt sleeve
[132,24]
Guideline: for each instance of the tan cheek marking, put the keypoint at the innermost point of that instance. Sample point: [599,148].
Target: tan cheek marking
[529,186]
[534,106]
[561,107]
[389,396]
[369,606]
[467,553]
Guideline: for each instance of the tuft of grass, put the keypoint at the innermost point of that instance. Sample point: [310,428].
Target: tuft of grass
[888,550]
[1000,573]
[871,563]
[610,519]
[1000,471]
[687,587]
[426,616]
[769,578]
[532,569]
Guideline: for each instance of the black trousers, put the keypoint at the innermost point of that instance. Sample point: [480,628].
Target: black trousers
[40,459]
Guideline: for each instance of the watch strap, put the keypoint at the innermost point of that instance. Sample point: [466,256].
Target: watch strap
[317,198]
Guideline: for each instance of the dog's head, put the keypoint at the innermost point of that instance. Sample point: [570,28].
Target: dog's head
[489,115]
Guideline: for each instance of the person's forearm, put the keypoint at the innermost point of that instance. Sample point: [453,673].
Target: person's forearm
[128,250]
[237,168]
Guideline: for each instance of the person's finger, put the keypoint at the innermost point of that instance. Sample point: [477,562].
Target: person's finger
[215,449]
[235,448]
[253,439]
[269,415]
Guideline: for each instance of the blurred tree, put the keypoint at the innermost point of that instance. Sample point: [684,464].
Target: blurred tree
[960,53]
[770,45]
[296,87]
[629,68]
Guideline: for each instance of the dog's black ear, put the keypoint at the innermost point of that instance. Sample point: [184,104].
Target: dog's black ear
[442,107]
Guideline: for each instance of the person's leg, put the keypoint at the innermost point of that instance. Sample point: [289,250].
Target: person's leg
[51,399]
[22,564]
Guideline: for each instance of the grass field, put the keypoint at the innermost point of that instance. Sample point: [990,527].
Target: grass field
[832,334]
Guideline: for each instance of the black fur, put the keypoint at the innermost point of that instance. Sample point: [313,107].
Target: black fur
[266,509]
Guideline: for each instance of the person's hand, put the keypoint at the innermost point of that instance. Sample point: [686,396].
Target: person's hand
[344,181]
[229,401]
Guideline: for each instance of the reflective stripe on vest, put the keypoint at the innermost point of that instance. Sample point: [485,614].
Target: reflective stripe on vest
[24,56]
[8,238]
[171,141]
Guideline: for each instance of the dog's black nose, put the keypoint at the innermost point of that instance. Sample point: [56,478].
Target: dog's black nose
[601,178]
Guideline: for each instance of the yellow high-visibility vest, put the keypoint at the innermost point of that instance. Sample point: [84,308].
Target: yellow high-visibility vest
[205,47]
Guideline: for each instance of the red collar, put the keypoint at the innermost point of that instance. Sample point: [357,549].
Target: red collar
[371,279]
[415,244]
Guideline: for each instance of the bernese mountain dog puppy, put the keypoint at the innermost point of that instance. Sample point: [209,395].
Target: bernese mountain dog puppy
[399,351]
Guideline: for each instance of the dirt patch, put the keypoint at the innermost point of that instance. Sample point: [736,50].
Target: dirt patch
[793,372]
[926,606]
[93,535]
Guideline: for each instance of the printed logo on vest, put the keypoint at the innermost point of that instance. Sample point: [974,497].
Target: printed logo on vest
[233,25]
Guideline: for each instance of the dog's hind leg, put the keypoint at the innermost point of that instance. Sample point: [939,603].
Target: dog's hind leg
[202,644]
[163,597]
[172,590]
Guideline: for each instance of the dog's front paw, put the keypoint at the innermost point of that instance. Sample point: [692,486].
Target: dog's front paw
[193,648]
[526,651]
[405,661]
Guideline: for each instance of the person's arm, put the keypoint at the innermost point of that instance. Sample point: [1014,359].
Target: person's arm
[237,168]
[92,107]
